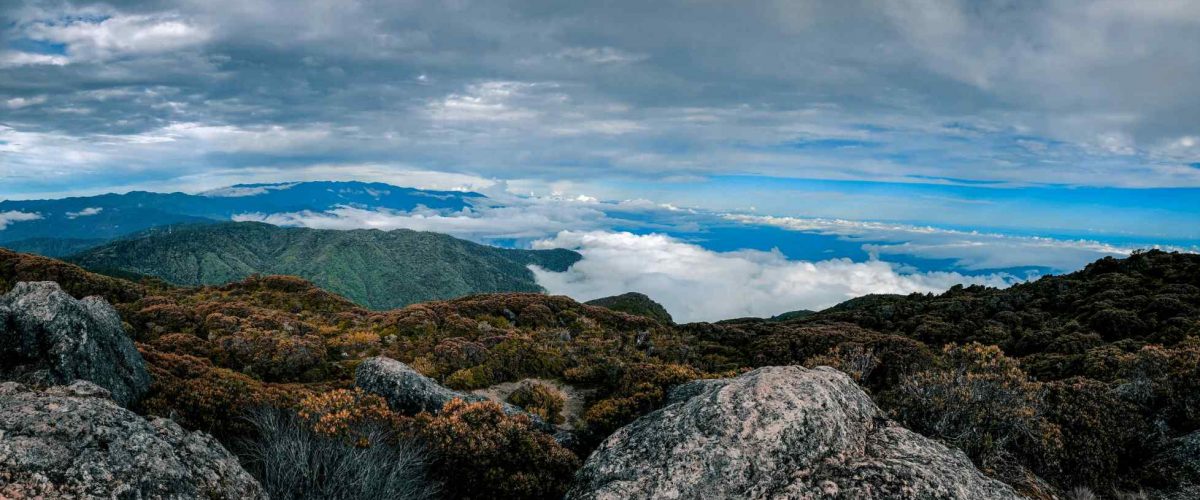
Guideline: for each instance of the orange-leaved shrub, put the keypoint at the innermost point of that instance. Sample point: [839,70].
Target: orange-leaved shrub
[480,452]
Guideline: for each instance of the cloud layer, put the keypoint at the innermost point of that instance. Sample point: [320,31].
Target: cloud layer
[696,284]
[134,91]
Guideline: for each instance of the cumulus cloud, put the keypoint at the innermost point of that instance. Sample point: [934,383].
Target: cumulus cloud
[12,216]
[695,284]
[86,212]
[90,39]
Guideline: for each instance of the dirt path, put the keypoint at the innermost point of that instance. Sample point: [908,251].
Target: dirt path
[572,407]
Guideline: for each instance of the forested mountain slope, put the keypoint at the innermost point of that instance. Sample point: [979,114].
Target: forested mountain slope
[378,269]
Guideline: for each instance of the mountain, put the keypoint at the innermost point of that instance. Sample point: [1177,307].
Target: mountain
[1085,385]
[635,303]
[378,269]
[52,247]
[109,216]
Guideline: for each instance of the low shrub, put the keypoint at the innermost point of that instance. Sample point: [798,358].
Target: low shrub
[482,453]
[541,400]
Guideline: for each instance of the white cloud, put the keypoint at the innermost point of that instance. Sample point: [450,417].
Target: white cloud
[696,284]
[12,216]
[536,218]
[492,101]
[969,249]
[242,191]
[90,40]
[9,59]
[89,211]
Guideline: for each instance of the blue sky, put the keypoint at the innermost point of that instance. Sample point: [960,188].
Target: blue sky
[1073,120]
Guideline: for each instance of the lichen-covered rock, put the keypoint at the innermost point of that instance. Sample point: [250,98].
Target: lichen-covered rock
[48,337]
[74,442]
[1175,472]
[407,391]
[776,433]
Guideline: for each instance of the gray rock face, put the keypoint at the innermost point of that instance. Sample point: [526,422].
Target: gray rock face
[48,337]
[406,390]
[75,442]
[776,433]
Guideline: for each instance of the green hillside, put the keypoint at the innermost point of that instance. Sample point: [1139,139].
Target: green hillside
[378,269]
[637,304]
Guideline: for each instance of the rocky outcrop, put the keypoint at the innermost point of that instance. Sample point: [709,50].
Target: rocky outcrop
[407,391]
[1175,472]
[48,337]
[74,442]
[773,433]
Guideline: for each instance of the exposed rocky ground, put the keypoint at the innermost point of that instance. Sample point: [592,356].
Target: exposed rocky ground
[75,442]
[1083,383]
[49,337]
[777,432]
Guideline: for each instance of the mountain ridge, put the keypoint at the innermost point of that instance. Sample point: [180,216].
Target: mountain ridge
[378,269]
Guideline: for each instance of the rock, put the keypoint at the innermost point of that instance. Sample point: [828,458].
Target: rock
[49,338]
[1175,472]
[409,392]
[74,442]
[775,433]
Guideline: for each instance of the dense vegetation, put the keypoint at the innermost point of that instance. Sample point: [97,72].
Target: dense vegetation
[1083,382]
[637,304]
[378,269]
[52,247]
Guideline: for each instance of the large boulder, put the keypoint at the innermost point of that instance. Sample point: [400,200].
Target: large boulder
[48,337]
[773,433]
[74,442]
[406,390]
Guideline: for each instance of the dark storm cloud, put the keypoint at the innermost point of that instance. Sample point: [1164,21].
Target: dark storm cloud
[1011,92]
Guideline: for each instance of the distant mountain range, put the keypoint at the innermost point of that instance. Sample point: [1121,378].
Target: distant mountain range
[377,269]
[38,225]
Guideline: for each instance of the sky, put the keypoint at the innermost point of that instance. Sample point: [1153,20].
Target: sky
[1071,120]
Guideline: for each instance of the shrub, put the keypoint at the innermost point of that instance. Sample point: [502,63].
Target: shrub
[1101,434]
[854,359]
[541,400]
[292,461]
[981,402]
[341,412]
[483,453]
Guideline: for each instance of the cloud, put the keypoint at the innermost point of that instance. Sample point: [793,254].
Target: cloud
[970,250]
[89,211]
[695,284]
[153,91]
[532,219]
[21,102]
[12,216]
[600,55]
[97,40]
[11,58]
[242,191]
